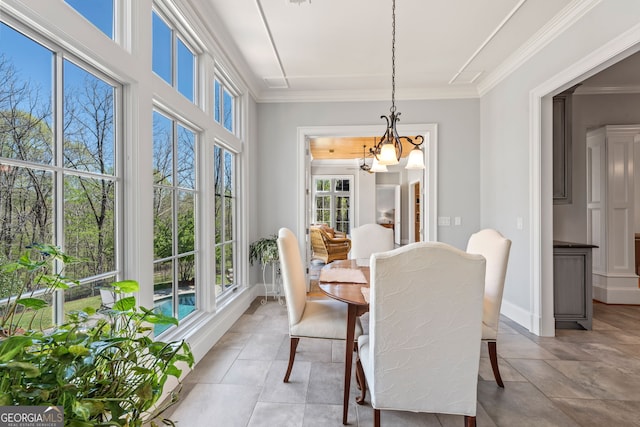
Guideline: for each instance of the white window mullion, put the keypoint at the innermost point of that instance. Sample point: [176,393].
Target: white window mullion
[58,176]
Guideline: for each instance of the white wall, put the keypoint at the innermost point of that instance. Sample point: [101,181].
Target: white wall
[589,111]
[458,150]
[510,148]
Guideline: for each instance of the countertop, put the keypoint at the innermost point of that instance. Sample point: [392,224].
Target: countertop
[561,244]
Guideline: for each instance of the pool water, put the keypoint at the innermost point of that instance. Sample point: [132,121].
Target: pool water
[186,306]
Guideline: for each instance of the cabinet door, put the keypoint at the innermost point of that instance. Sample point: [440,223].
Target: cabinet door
[569,279]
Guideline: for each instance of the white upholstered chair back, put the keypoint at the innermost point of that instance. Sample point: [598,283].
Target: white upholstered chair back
[495,248]
[422,352]
[294,284]
[368,239]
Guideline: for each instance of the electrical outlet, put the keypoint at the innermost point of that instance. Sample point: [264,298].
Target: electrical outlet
[519,223]
[444,221]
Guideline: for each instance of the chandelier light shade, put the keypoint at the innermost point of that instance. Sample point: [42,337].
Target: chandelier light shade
[377,167]
[388,151]
[415,160]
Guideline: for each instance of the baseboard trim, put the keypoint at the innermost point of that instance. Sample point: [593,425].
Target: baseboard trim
[517,314]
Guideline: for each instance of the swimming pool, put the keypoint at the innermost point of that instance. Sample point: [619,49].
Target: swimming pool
[164,306]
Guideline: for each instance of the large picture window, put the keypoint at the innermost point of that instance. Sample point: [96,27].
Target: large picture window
[58,187]
[174,221]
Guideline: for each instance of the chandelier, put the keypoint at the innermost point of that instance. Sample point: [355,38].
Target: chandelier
[375,166]
[388,150]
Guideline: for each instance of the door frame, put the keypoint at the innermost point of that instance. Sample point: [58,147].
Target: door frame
[430,178]
[540,319]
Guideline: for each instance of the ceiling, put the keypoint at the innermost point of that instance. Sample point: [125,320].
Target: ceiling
[341,49]
[334,148]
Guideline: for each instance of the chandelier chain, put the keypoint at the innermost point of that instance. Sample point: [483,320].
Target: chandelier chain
[393,56]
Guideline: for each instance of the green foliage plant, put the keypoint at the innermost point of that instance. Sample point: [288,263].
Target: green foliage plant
[103,367]
[29,283]
[264,250]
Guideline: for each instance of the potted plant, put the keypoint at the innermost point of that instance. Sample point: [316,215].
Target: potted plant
[265,250]
[102,367]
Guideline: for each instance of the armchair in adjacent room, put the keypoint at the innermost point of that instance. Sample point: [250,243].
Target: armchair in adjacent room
[328,245]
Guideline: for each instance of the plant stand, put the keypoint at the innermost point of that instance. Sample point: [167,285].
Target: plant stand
[274,286]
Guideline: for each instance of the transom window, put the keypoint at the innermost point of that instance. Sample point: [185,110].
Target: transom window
[173,59]
[224,105]
[99,12]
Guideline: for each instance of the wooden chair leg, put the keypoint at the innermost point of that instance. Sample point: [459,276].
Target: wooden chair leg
[469,421]
[362,381]
[493,356]
[292,356]
[376,417]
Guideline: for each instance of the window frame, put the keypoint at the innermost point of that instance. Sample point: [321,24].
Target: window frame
[333,194]
[57,167]
[178,33]
[175,188]
[226,86]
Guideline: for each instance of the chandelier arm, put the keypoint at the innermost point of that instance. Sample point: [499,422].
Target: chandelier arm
[415,144]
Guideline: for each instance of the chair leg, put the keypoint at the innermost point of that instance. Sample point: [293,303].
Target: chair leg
[493,356]
[376,417]
[362,381]
[292,356]
[469,421]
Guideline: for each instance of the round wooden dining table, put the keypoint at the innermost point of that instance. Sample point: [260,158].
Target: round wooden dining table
[350,293]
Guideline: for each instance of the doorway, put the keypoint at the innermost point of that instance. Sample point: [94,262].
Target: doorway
[541,161]
[428,176]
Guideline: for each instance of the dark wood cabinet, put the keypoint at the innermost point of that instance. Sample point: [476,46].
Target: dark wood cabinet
[562,157]
[572,285]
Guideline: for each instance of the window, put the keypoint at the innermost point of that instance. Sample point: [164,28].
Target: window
[224,105]
[174,222]
[225,218]
[61,192]
[98,12]
[332,202]
[173,60]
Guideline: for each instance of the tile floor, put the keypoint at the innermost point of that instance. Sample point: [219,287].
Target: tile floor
[578,378]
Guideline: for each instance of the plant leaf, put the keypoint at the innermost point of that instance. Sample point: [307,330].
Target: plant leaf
[12,346]
[32,303]
[28,369]
[78,350]
[125,304]
[158,318]
[126,286]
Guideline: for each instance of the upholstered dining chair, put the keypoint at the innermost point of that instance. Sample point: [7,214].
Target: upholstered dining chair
[425,324]
[321,318]
[495,248]
[370,238]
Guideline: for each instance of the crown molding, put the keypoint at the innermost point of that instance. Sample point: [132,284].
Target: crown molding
[450,92]
[561,22]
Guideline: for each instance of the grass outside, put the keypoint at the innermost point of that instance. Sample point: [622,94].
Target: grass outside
[44,318]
